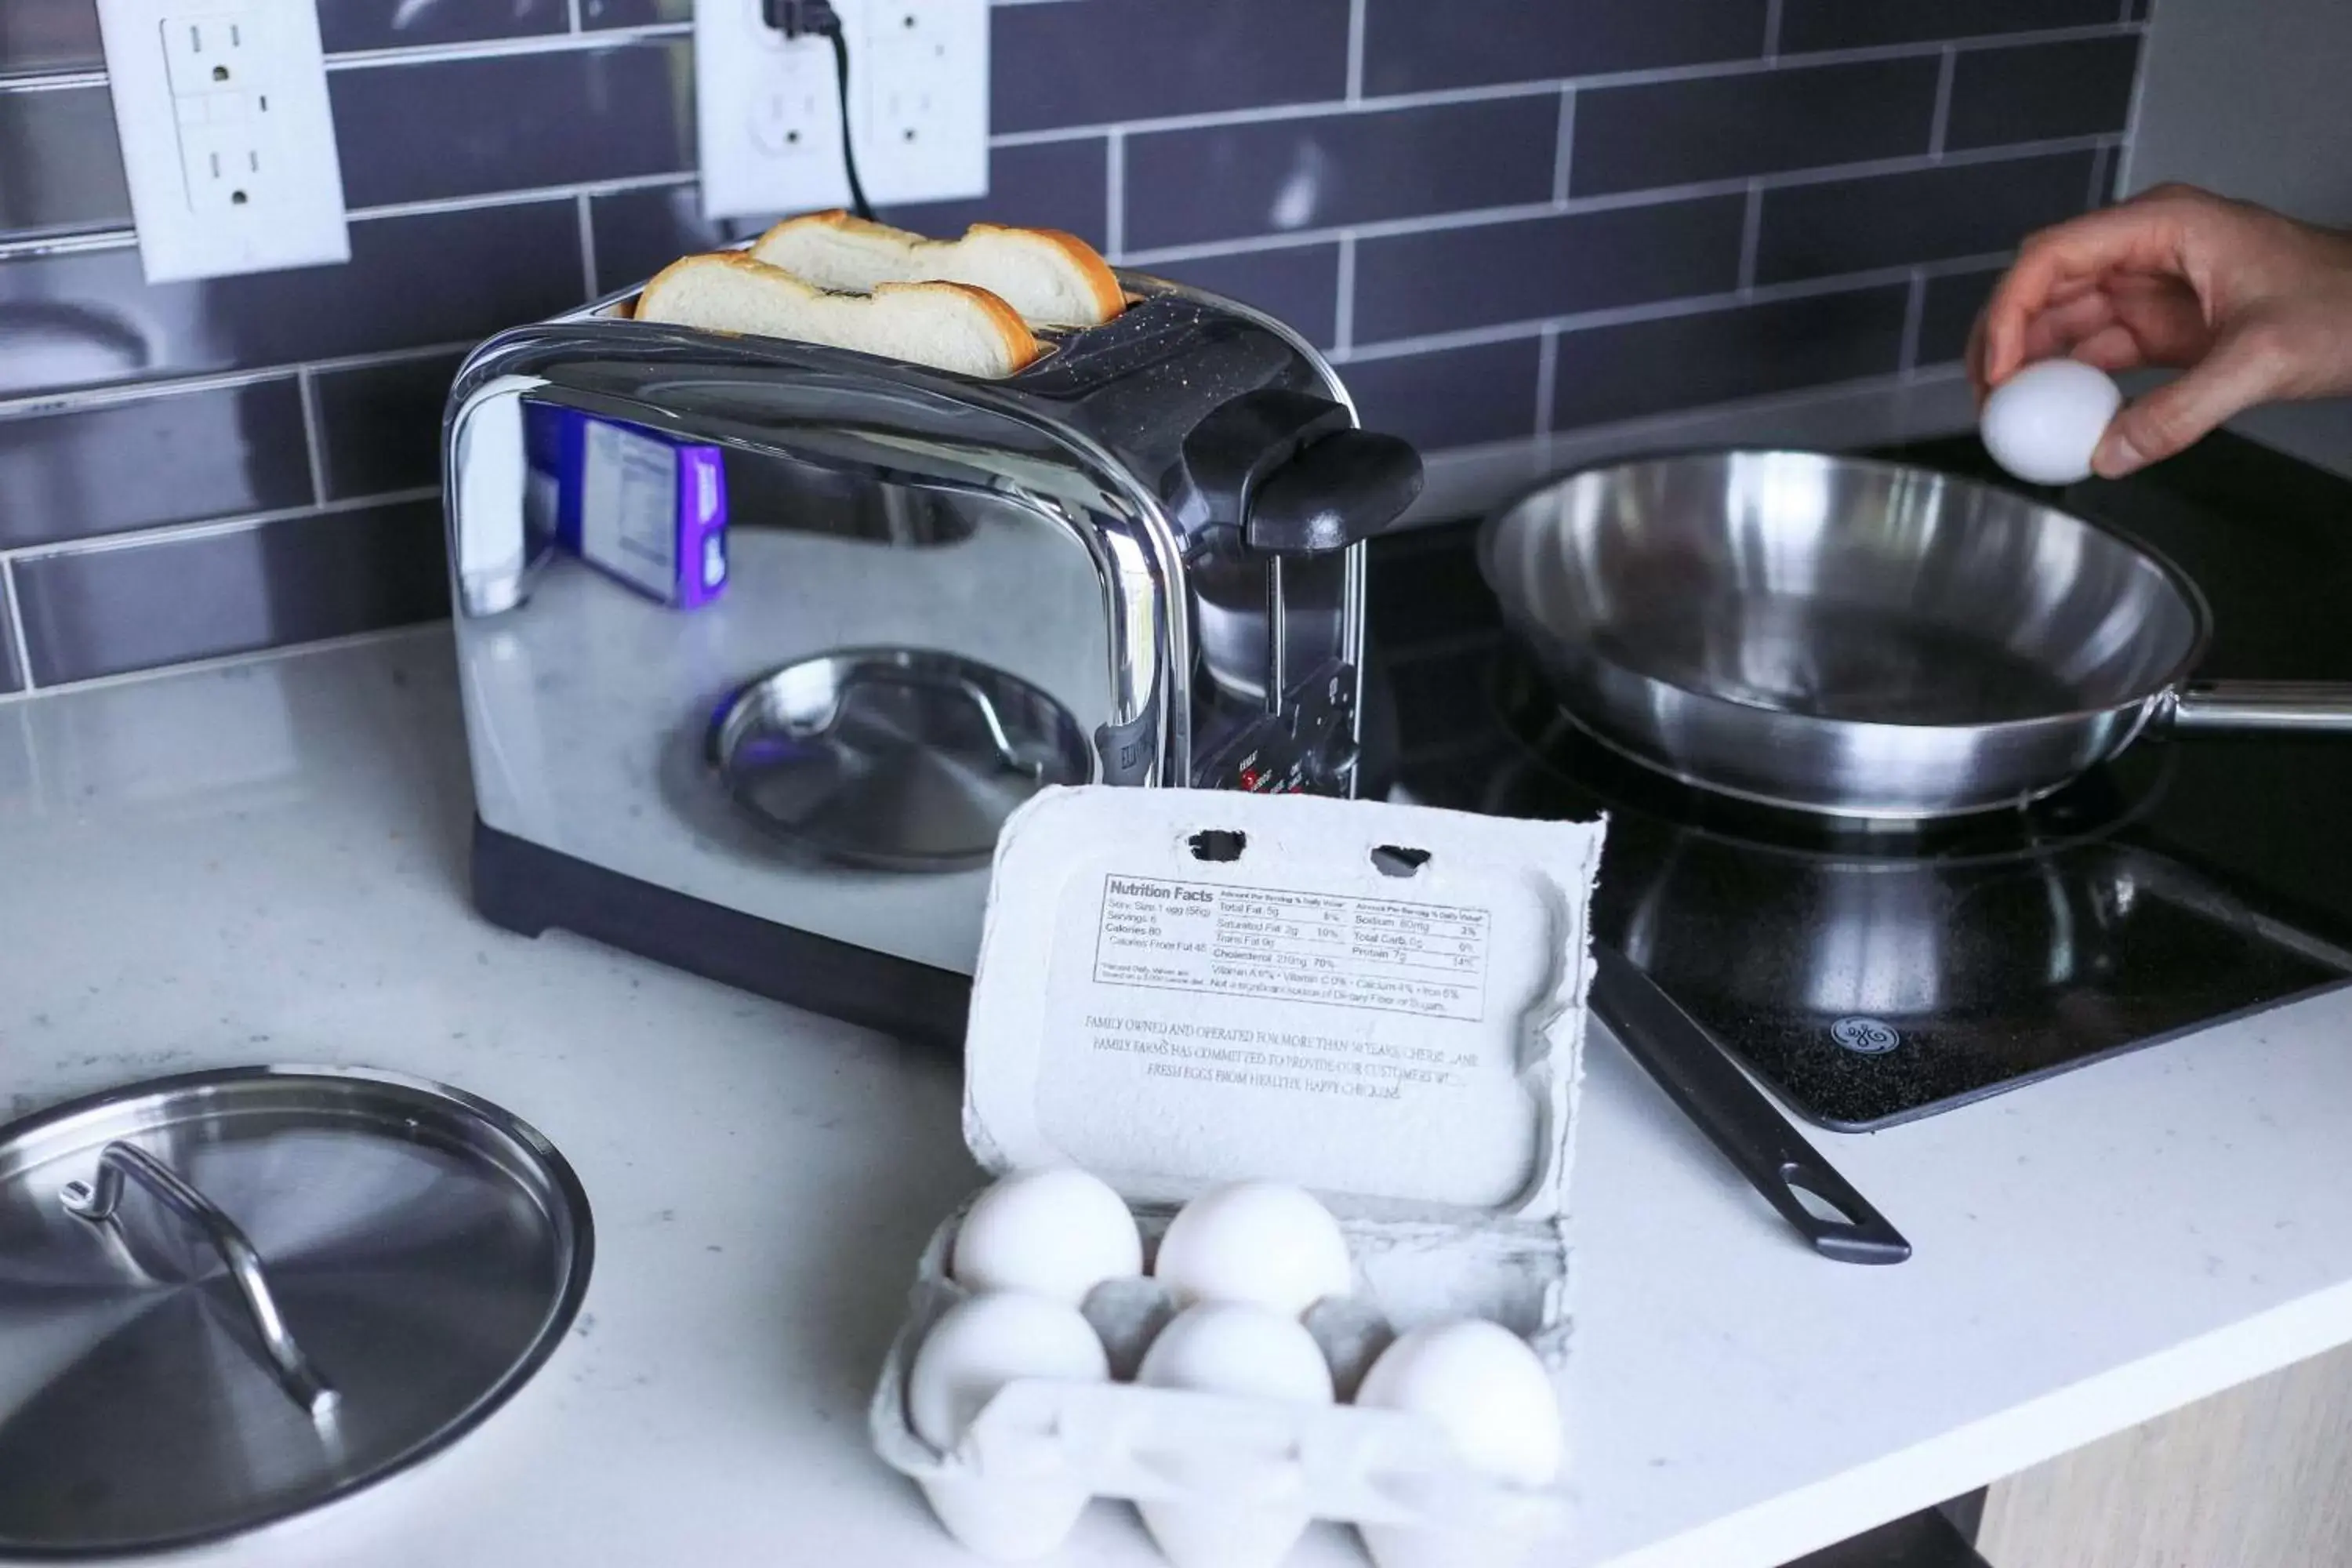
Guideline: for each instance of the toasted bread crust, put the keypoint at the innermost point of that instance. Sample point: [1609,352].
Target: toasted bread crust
[1101,282]
[1021,344]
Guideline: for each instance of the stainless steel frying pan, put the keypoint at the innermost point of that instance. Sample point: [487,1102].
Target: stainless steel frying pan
[1858,637]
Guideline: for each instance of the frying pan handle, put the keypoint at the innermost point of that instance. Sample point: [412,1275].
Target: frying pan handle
[2314,707]
[1697,1076]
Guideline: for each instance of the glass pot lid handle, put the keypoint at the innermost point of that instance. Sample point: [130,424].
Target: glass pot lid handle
[120,1161]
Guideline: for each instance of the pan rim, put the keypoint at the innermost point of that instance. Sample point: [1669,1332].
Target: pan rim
[2193,598]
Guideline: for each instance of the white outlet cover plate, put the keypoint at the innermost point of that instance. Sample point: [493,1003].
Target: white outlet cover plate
[768,113]
[229,142]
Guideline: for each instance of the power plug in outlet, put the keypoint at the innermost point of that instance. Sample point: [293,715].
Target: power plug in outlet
[228,143]
[769,117]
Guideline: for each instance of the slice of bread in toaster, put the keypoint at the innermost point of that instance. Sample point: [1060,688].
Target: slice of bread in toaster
[948,326]
[1054,279]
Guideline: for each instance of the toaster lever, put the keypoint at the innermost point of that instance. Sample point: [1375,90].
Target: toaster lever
[1293,476]
[1339,491]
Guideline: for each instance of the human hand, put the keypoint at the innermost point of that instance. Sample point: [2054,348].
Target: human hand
[2254,306]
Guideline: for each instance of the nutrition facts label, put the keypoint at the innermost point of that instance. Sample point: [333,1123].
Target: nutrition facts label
[1380,954]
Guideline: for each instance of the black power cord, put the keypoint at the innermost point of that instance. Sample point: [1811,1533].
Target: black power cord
[799,18]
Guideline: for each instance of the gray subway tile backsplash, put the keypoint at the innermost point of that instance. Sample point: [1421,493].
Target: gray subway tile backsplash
[86,319]
[1929,214]
[1266,176]
[1418,201]
[2041,91]
[200,596]
[1854,24]
[150,460]
[461,128]
[49,35]
[1451,397]
[380,425]
[1106,60]
[1639,368]
[1296,283]
[1759,122]
[1446,279]
[1412,46]
[60,168]
[1950,312]
[348,24]
[12,678]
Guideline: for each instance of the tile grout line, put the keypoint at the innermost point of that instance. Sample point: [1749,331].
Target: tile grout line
[1772,10]
[523,196]
[1751,237]
[313,434]
[1355,89]
[1115,194]
[563,43]
[1939,121]
[75,400]
[1659,196]
[1438,98]
[1547,379]
[122,239]
[1666,310]
[52,81]
[1564,151]
[17,641]
[218,662]
[2121,178]
[571,15]
[587,245]
[1343,312]
[210,527]
[2102,169]
[1914,316]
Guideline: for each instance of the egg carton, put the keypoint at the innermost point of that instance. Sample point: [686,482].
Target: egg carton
[1435,1118]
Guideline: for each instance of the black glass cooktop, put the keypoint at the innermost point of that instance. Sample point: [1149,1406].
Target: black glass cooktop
[1873,975]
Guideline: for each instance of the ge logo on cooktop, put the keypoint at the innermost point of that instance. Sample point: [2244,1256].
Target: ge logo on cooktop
[1867,1035]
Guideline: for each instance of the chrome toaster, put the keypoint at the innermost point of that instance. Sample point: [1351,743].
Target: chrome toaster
[1140,561]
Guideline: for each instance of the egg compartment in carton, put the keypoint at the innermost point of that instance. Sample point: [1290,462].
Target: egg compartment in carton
[1452,1198]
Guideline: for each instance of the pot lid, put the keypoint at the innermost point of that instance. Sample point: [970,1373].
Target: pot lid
[228,1297]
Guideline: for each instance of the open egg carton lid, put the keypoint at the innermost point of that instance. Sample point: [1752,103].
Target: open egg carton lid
[1383,1005]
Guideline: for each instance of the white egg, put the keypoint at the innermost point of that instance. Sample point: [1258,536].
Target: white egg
[1266,1243]
[2044,423]
[1486,1390]
[977,1347]
[1057,1233]
[1249,1352]
[1493,1398]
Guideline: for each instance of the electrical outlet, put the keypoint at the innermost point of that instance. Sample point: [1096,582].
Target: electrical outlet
[769,116]
[926,99]
[229,142]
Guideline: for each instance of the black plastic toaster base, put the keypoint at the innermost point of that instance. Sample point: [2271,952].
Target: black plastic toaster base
[527,888]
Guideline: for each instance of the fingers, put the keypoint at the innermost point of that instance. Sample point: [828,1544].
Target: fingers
[2141,237]
[2111,349]
[2248,365]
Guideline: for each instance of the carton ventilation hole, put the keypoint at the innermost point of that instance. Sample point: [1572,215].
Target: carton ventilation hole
[1217,844]
[1396,860]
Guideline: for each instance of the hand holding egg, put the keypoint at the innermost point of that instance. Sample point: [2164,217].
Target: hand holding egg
[2044,423]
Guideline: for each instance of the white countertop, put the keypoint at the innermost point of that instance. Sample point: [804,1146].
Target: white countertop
[265,862]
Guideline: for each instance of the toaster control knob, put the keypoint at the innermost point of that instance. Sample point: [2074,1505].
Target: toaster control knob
[1292,475]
